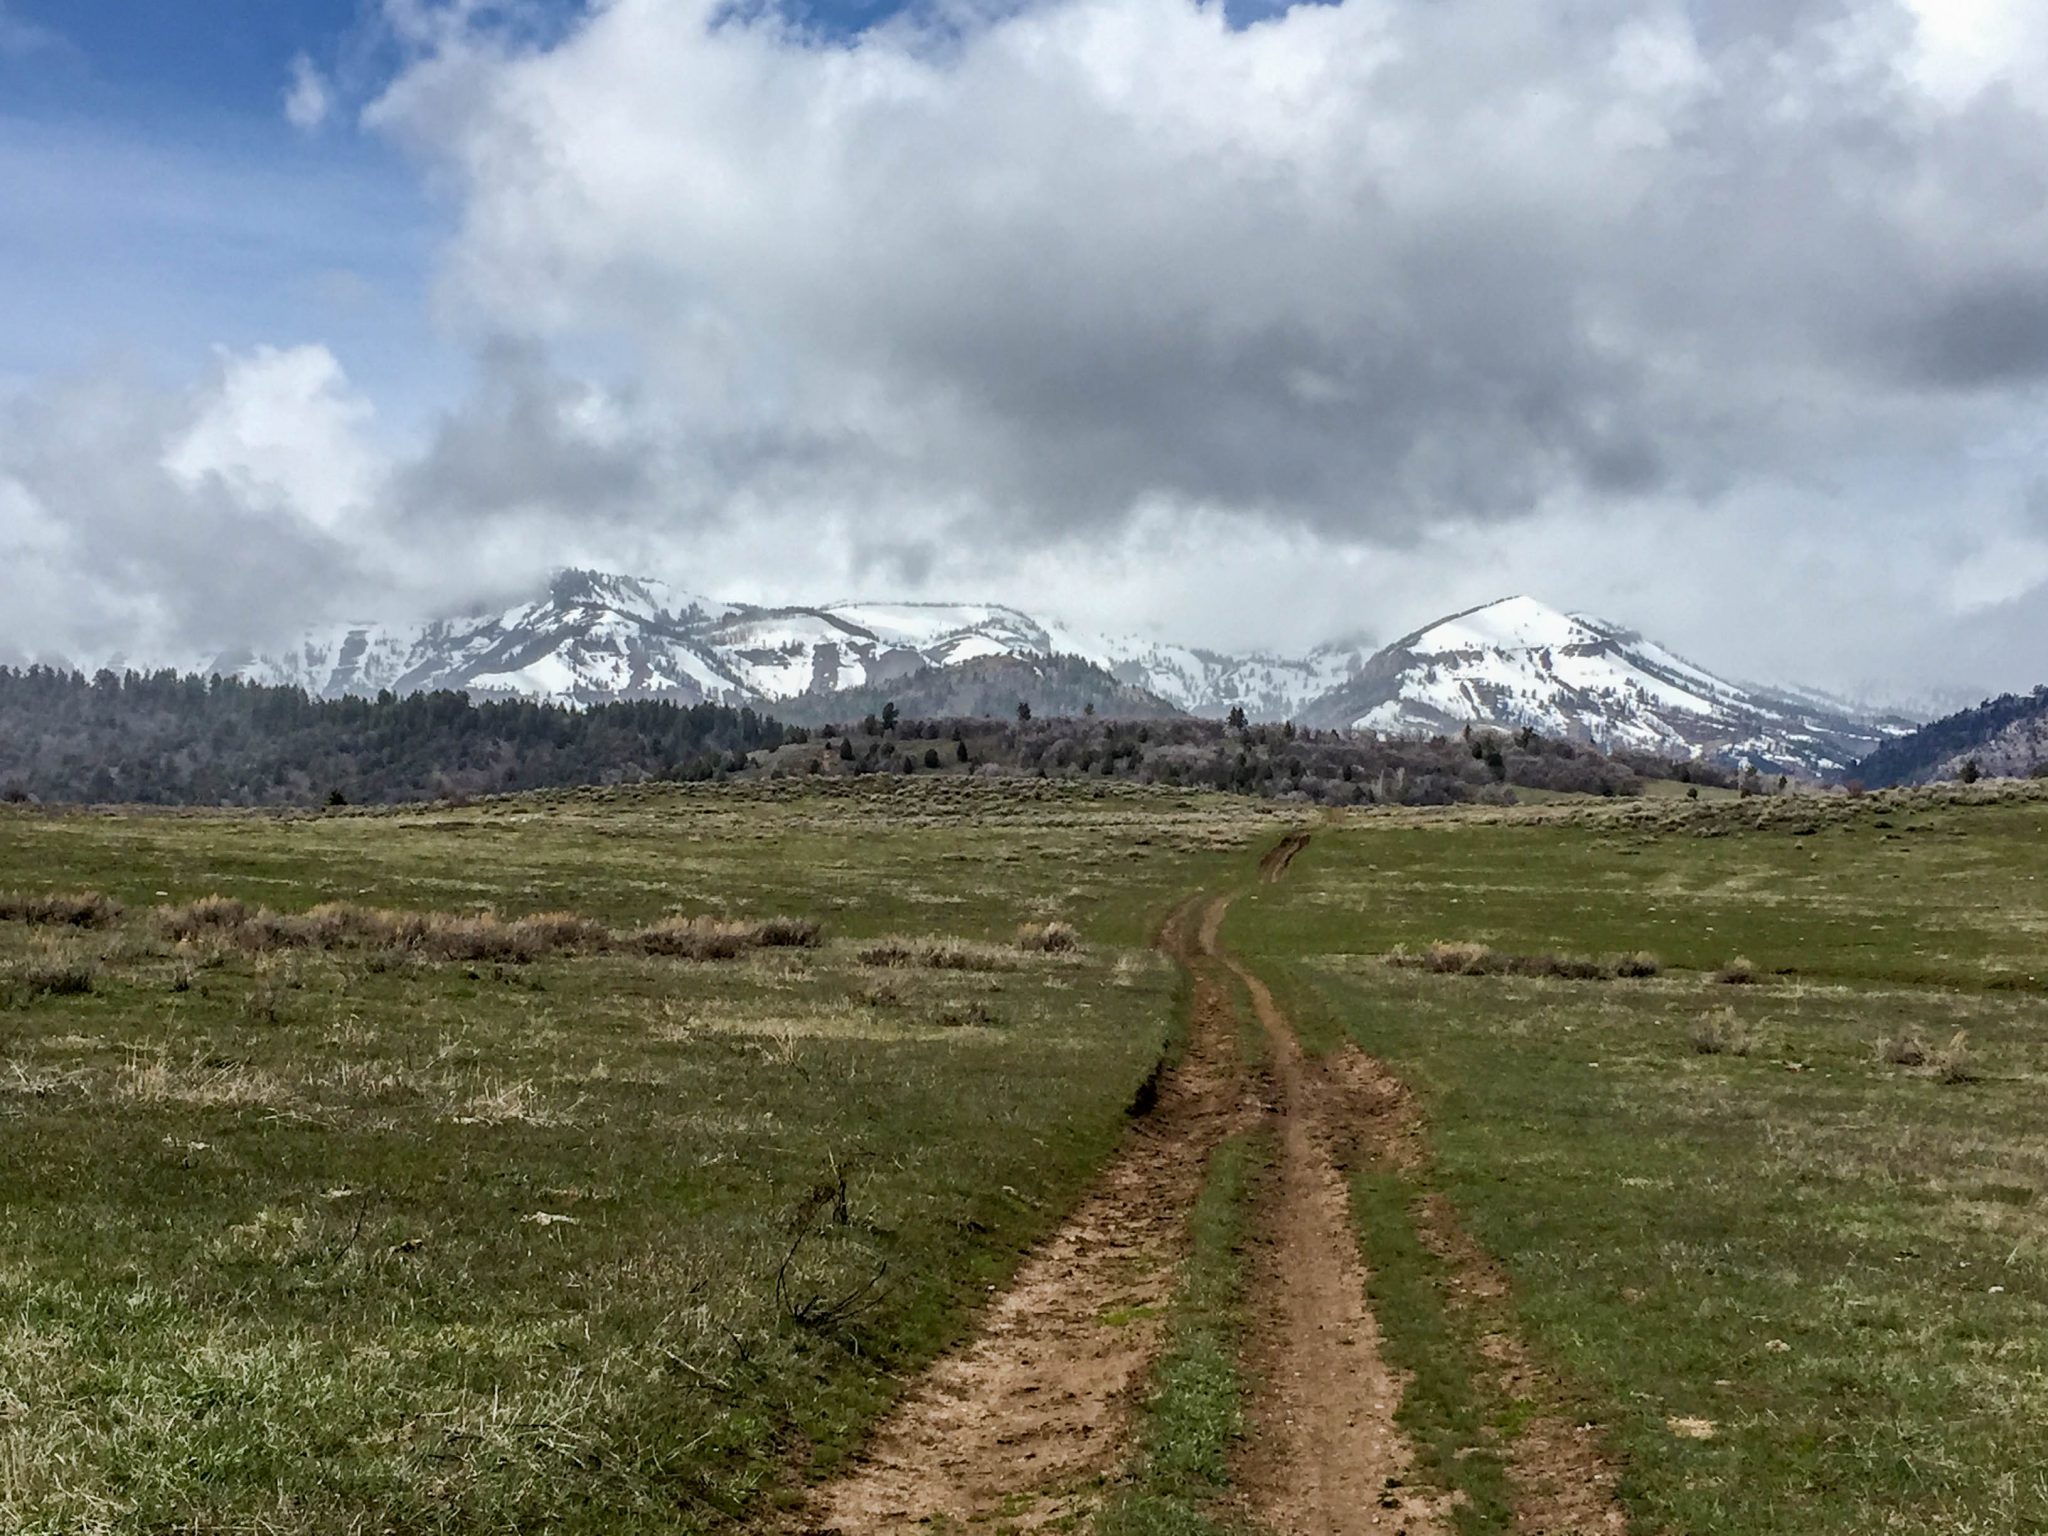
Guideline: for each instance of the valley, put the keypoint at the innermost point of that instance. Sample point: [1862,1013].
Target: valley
[745,1157]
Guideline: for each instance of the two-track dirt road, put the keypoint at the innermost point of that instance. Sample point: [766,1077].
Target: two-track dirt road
[1026,1426]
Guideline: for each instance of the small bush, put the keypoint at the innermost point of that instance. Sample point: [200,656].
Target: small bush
[788,933]
[693,938]
[934,954]
[1953,1063]
[1721,1034]
[1048,938]
[209,914]
[1739,972]
[1903,1050]
[60,909]
[53,969]
[1464,959]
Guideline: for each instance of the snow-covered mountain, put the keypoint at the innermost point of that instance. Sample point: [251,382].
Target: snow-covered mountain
[1519,663]
[593,637]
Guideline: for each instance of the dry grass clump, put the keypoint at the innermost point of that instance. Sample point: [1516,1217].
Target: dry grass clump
[935,954]
[1902,1050]
[1739,972]
[1048,938]
[1721,1033]
[788,933]
[52,970]
[1953,1063]
[1467,959]
[197,919]
[60,909]
[717,938]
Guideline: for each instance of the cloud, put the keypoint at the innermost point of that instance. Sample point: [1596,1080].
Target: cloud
[307,98]
[170,523]
[1726,318]
[1361,267]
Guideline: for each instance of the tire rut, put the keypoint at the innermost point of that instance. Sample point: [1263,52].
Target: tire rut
[1030,1418]
[1326,1457]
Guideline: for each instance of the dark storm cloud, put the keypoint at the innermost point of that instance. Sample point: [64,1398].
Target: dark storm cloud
[1365,267]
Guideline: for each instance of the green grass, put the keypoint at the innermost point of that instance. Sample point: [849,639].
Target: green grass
[330,1241]
[1194,1416]
[1457,1419]
[1929,889]
[1802,1289]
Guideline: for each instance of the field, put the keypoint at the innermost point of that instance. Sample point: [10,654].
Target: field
[351,1208]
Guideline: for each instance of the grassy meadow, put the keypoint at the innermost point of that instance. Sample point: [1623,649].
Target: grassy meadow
[383,1215]
[1774,1227]
[535,1164]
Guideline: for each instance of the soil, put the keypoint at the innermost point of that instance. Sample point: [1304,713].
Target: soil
[1032,1417]
[1027,1425]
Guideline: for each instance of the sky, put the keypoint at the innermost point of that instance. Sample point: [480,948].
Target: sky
[1244,325]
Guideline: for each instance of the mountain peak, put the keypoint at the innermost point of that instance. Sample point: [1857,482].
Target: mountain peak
[1517,623]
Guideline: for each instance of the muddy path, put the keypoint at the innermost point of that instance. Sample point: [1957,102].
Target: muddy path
[1326,1457]
[1030,1418]
[1563,1480]
[1024,1427]
[1280,855]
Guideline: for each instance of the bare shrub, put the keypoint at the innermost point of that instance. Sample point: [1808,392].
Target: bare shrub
[935,954]
[1739,972]
[1048,938]
[60,909]
[1902,1050]
[788,933]
[55,973]
[194,919]
[485,936]
[1953,1063]
[1466,959]
[1721,1033]
[1563,967]
[694,938]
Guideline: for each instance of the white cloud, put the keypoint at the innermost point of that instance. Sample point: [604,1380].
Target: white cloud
[283,433]
[1724,319]
[307,98]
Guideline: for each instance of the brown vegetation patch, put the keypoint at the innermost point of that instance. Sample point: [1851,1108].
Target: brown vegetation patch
[457,936]
[60,909]
[1446,958]
[936,954]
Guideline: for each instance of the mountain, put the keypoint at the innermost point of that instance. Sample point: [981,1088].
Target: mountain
[594,637]
[1519,663]
[988,687]
[2006,737]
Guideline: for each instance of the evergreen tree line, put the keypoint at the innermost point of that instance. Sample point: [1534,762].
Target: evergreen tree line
[163,738]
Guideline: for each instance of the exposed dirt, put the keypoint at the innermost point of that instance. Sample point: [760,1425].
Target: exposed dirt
[1280,855]
[1030,1418]
[1326,1458]
[1563,1481]
[1025,1425]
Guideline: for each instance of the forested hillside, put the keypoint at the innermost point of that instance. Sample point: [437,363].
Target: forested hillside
[2004,737]
[186,740]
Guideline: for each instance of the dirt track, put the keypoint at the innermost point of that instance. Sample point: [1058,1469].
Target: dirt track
[1027,1424]
[1033,1414]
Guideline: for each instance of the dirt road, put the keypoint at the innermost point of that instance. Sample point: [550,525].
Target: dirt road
[1025,1427]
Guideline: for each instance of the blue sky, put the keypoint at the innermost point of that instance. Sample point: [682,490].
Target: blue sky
[159,204]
